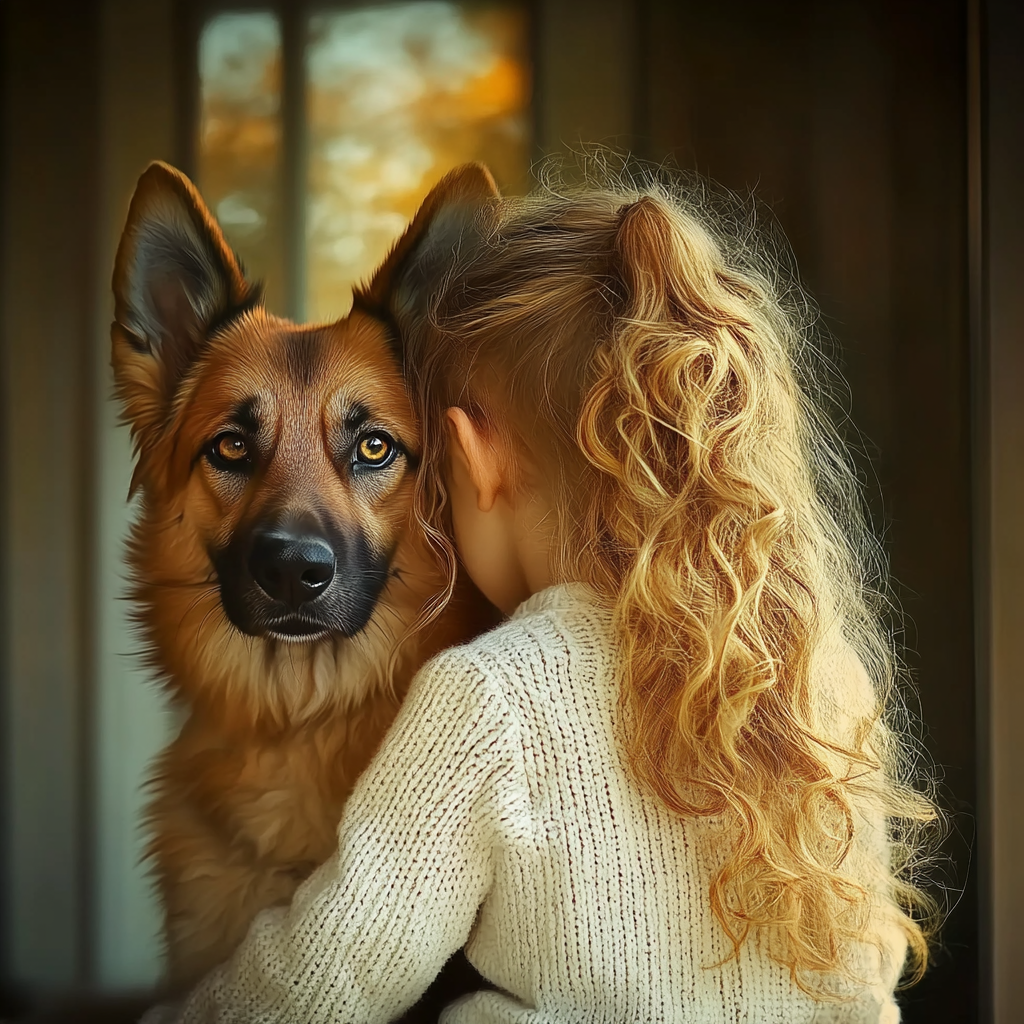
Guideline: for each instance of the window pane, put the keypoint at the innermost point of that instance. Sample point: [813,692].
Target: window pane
[240,139]
[396,97]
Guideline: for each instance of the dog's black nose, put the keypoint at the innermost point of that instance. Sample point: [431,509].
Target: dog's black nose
[291,568]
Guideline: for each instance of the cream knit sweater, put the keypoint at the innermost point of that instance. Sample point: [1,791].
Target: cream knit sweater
[499,815]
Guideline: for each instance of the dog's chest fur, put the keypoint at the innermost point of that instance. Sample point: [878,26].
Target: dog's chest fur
[273,798]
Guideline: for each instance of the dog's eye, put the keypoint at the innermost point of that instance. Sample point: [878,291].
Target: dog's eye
[229,451]
[376,449]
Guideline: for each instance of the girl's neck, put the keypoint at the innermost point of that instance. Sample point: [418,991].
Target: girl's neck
[533,544]
[504,533]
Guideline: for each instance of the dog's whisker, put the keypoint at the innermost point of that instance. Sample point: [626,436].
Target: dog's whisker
[178,585]
[193,604]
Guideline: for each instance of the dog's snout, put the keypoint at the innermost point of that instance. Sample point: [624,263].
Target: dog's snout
[291,568]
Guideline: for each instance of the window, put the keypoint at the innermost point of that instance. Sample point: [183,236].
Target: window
[239,152]
[312,190]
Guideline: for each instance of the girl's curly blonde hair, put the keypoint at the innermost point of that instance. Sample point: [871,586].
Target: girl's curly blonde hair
[645,355]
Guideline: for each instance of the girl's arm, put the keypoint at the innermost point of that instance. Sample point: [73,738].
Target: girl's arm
[370,929]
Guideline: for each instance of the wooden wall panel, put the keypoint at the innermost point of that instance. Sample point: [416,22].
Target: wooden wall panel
[50,72]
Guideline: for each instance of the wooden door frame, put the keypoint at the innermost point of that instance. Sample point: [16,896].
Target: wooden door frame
[996,155]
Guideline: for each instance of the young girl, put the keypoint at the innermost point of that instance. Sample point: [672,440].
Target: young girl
[664,790]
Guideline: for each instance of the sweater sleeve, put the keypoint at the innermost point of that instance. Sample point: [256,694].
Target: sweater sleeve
[369,930]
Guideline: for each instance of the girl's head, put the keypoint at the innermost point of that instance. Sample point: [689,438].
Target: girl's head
[636,363]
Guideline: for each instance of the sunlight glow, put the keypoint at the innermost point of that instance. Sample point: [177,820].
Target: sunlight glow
[398,95]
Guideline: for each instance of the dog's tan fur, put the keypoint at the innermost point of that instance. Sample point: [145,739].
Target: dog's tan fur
[247,798]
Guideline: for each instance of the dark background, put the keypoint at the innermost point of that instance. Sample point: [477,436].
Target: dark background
[871,130]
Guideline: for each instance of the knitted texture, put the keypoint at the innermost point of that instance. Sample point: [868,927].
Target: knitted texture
[500,815]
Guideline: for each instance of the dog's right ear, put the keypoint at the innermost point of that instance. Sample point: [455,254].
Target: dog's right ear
[175,280]
[400,289]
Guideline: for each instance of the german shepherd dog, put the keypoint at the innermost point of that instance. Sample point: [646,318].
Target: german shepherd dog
[279,574]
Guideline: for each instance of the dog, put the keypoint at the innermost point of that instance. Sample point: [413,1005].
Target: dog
[280,581]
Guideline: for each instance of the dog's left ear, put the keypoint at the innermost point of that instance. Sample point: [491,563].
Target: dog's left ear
[175,279]
[399,291]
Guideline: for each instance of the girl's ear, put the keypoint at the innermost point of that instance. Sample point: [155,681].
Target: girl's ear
[477,455]
[175,279]
[400,288]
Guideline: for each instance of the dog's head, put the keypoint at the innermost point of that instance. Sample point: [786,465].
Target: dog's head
[276,461]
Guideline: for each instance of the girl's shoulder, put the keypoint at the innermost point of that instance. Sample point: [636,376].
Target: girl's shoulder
[562,623]
[559,619]
[555,639]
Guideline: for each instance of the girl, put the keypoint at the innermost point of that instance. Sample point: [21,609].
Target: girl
[664,790]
